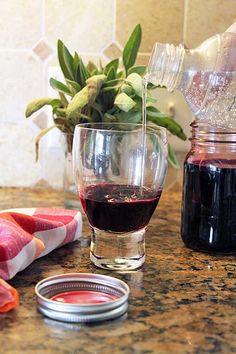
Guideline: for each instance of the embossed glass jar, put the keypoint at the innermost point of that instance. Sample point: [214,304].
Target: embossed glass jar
[209,191]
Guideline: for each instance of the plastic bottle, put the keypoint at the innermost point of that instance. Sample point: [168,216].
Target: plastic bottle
[206,76]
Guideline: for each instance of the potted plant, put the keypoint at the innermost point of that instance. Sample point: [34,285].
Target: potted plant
[102,93]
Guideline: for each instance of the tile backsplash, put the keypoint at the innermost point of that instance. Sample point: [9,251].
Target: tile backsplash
[96,29]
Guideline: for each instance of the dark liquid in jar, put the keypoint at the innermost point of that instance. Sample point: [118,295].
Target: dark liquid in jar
[209,206]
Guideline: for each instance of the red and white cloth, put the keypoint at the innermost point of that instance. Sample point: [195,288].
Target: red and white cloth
[27,234]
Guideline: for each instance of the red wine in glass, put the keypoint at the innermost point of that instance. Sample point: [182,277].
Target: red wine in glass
[119,208]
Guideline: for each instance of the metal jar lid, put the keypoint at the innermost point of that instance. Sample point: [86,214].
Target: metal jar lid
[115,291]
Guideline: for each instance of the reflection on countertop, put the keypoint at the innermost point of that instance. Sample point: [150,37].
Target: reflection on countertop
[181,301]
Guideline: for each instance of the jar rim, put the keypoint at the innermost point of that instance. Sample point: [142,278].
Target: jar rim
[203,133]
[205,128]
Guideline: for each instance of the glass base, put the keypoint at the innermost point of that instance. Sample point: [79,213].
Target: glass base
[117,251]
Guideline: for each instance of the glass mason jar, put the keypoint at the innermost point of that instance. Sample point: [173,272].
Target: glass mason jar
[209,190]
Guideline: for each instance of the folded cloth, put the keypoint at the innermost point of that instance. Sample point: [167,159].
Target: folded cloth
[9,298]
[27,234]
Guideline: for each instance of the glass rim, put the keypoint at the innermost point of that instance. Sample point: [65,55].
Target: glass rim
[138,125]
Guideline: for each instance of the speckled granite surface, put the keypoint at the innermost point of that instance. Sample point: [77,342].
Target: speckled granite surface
[181,301]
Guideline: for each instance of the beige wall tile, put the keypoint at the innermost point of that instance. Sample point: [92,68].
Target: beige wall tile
[161,20]
[17,154]
[206,18]
[143,59]
[20,24]
[20,83]
[83,25]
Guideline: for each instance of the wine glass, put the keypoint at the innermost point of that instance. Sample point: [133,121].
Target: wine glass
[120,171]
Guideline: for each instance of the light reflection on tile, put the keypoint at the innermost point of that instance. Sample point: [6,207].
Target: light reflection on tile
[20,83]
[83,25]
[20,23]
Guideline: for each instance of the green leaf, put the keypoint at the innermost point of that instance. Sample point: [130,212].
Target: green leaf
[151,99]
[76,61]
[111,75]
[112,64]
[131,48]
[68,61]
[65,60]
[129,117]
[113,89]
[172,157]
[91,67]
[135,81]
[94,72]
[60,120]
[109,83]
[82,73]
[101,66]
[140,69]
[94,84]
[127,88]
[59,86]
[73,85]
[77,103]
[120,74]
[64,101]
[162,119]
[151,86]
[109,118]
[97,110]
[139,103]
[124,102]
[35,105]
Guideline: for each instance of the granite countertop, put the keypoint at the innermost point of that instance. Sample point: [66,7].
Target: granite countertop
[181,301]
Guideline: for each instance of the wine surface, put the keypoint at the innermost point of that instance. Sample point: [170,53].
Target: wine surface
[118,208]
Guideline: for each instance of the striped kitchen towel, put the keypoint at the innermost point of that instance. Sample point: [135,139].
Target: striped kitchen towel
[27,234]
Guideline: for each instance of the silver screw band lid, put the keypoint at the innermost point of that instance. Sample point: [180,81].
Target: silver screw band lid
[115,305]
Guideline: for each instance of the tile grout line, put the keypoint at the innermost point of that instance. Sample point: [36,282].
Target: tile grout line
[95,54]
[43,84]
[43,29]
[145,54]
[15,50]
[114,21]
[185,20]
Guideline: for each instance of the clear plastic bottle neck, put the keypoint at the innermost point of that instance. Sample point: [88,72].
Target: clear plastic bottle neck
[206,76]
[165,65]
